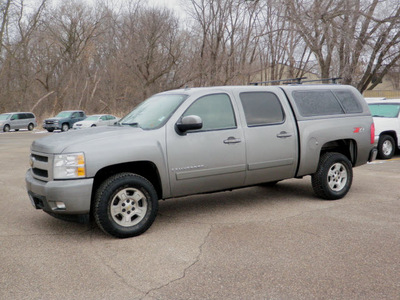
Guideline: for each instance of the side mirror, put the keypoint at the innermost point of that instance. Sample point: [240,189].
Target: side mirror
[191,122]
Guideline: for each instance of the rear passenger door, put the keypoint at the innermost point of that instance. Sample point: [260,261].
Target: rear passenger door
[16,121]
[271,136]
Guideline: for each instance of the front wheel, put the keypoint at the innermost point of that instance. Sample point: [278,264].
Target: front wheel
[386,147]
[6,128]
[334,176]
[65,127]
[125,205]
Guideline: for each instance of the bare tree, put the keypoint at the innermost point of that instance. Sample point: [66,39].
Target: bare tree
[358,40]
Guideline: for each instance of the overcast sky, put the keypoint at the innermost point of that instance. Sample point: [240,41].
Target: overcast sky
[173,4]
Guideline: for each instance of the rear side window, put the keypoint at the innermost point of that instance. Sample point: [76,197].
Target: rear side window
[29,116]
[262,108]
[317,103]
[348,101]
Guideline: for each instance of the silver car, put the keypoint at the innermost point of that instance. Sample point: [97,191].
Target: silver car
[17,121]
[96,120]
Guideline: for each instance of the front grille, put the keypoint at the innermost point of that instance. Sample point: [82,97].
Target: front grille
[41,164]
[41,173]
[40,158]
[49,122]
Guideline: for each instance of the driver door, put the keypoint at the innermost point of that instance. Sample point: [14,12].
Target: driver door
[211,158]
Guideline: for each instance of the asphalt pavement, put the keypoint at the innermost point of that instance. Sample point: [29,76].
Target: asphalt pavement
[277,242]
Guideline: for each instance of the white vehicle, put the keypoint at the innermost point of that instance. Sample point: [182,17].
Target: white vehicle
[387,125]
[96,120]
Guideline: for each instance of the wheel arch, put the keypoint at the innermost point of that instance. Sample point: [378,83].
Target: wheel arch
[391,133]
[347,147]
[146,169]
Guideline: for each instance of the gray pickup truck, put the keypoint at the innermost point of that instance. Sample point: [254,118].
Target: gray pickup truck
[201,140]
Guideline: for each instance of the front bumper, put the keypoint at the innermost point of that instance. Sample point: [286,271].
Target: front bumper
[60,196]
[51,126]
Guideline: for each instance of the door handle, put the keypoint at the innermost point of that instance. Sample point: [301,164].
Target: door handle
[283,135]
[232,140]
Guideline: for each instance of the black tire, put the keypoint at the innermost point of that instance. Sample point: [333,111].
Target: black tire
[30,127]
[16,129]
[64,127]
[6,128]
[125,205]
[50,130]
[93,125]
[386,147]
[334,176]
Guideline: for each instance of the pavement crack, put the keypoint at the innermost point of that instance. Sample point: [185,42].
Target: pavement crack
[196,260]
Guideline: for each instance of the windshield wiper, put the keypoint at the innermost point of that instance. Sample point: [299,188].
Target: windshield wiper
[130,124]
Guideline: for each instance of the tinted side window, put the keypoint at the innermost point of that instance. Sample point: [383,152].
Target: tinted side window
[317,103]
[216,111]
[262,108]
[30,116]
[348,101]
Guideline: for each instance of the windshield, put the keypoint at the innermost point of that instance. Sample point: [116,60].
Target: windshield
[154,112]
[92,118]
[4,117]
[386,110]
[64,114]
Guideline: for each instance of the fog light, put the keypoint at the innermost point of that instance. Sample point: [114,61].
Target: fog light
[60,205]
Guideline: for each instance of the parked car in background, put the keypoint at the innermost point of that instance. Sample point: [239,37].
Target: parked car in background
[17,121]
[64,120]
[386,115]
[96,120]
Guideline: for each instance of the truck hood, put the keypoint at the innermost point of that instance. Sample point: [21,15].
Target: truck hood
[58,142]
[385,124]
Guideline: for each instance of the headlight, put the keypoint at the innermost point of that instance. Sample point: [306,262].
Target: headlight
[68,166]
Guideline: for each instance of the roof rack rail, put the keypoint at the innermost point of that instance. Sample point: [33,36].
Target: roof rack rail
[298,81]
[286,81]
[333,79]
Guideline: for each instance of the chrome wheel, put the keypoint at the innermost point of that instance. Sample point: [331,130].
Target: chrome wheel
[337,177]
[387,148]
[128,207]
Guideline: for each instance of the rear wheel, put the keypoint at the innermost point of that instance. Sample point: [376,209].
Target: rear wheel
[125,205]
[50,130]
[386,147]
[6,128]
[334,176]
[30,127]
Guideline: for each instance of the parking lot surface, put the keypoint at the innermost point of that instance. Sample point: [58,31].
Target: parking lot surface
[277,242]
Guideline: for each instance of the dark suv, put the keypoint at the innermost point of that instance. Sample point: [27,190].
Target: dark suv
[64,120]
